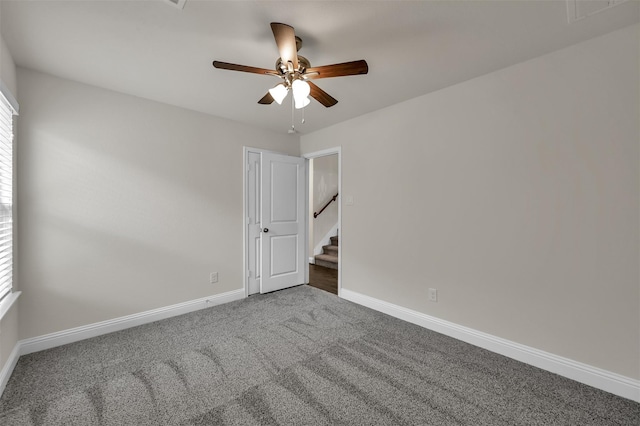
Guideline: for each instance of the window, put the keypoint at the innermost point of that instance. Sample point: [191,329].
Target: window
[7,110]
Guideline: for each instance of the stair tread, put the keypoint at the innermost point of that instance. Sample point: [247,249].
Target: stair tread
[328,250]
[327,257]
[331,246]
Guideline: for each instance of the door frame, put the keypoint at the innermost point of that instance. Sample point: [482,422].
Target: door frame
[245,225]
[322,153]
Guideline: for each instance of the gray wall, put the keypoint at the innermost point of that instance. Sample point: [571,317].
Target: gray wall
[126,205]
[515,194]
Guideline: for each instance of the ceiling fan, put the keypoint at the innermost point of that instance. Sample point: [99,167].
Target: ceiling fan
[296,71]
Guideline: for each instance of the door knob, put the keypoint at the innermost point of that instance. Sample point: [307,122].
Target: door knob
[265,230]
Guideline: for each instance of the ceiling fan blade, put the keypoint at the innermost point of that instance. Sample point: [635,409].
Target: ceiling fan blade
[321,96]
[243,68]
[337,70]
[286,40]
[266,99]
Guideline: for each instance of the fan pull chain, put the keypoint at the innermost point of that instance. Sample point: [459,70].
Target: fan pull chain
[293,127]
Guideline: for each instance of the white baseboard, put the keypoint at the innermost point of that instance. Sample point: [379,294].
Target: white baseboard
[605,380]
[9,365]
[583,373]
[312,260]
[64,337]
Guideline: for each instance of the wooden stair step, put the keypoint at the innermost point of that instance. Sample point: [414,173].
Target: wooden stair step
[332,250]
[327,260]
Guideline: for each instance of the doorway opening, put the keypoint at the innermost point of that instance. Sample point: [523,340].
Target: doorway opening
[323,235]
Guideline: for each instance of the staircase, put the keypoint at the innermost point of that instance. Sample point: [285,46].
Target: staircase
[329,256]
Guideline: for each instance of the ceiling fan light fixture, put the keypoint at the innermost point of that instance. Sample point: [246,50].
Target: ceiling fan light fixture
[302,103]
[279,93]
[301,90]
[295,70]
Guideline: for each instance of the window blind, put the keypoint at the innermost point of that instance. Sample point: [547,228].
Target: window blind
[6,196]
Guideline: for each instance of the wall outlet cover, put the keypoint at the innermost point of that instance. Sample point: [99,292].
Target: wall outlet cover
[433,295]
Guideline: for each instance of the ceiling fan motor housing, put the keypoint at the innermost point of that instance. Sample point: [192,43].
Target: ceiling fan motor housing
[303,64]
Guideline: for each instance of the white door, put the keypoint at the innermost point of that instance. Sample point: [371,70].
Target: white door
[283,221]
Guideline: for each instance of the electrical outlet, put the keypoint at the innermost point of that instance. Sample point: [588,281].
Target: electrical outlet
[433,295]
[213,277]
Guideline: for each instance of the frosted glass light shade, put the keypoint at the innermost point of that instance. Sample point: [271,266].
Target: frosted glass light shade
[301,90]
[302,102]
[278,93]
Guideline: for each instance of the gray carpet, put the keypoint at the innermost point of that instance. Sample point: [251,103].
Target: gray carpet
[295,357]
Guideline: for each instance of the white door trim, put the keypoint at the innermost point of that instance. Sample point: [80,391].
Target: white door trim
[322,153]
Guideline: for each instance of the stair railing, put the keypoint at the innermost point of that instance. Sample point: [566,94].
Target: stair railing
[316,214]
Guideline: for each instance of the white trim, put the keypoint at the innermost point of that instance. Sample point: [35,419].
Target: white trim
[245,225]
[4,91]
[178,4]
[322,153]
[72,335]
[8,302]
[48,341]
[598,378]
[9,365]
[574,15]
[307,215]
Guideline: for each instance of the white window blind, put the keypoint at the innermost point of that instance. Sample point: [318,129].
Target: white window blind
[6,196]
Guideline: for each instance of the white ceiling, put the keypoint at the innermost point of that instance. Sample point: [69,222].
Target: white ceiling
[156,51]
